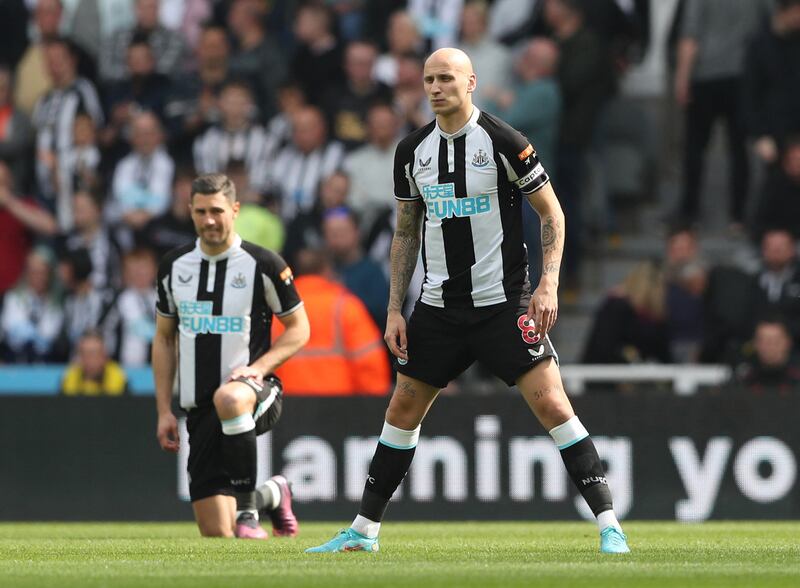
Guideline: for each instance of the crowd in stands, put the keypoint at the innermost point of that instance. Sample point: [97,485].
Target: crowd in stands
[109,108]
[682,309]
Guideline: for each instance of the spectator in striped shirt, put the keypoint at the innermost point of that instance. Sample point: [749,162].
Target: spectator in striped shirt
[85,305]
[105,244]
[237,138]
[298,169]
[55,112]
[78,168]
[133,315]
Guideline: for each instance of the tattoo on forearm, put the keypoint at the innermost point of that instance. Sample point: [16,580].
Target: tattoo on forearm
[405,249]
[550,234]
[551,267]
[404,260]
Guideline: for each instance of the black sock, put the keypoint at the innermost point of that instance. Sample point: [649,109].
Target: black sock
[388,468]
[241,458]
[584,467]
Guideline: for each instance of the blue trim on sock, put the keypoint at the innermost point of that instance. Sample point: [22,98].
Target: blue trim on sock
[393,446]
[571,443]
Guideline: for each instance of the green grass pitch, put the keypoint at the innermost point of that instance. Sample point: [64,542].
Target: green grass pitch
[123,555]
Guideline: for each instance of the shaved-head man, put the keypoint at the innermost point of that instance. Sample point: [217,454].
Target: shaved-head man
[459,183]
[449,83]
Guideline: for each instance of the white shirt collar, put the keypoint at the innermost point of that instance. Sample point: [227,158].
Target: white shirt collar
[471,124]
[237,244]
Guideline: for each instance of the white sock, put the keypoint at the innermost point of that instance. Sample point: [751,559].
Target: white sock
[271,495]
[607,518]
[569,433]
[366,527]
[238,425]
[399,438]
[239,513]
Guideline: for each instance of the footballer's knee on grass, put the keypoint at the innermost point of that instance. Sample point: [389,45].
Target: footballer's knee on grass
[215,515]
[409,403]
[543,391]
[234,399]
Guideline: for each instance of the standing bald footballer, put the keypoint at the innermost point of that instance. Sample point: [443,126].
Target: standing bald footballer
[216,300]
[459,185]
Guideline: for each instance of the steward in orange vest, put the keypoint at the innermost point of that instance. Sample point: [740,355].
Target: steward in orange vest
[346,354]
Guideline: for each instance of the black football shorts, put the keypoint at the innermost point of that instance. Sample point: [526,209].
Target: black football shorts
[444,342]
[208,475]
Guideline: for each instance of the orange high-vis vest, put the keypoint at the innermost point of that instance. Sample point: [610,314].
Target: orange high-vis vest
[345,354]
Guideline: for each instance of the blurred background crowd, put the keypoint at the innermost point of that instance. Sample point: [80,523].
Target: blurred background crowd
[681,239]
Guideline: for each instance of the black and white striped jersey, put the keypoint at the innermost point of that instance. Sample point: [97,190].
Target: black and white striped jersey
[54,117]
[224,306]
[296,176]
[471,183]
[215,149]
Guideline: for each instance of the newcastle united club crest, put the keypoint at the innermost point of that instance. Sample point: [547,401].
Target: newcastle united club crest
[480,159]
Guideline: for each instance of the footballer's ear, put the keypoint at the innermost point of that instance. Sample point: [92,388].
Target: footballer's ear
[472,82]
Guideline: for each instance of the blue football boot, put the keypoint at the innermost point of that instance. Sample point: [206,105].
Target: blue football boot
[612,540]
[346,540]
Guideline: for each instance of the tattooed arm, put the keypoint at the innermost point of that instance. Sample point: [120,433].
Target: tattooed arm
[405,250]
[543,307]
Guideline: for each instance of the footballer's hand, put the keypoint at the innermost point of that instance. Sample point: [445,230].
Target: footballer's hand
[543,308]
[395,336]
[167,432]
[249,372]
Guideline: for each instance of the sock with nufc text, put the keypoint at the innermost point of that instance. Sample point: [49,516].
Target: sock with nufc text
[584,468]
[240,453]
[388,468]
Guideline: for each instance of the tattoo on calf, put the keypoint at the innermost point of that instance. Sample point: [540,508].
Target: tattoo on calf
[539,394]
[406,389]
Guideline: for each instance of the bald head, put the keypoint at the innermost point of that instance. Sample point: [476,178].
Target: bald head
[450,57]
[449,82]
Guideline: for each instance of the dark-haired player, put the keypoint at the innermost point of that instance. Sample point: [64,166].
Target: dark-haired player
[216,299]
